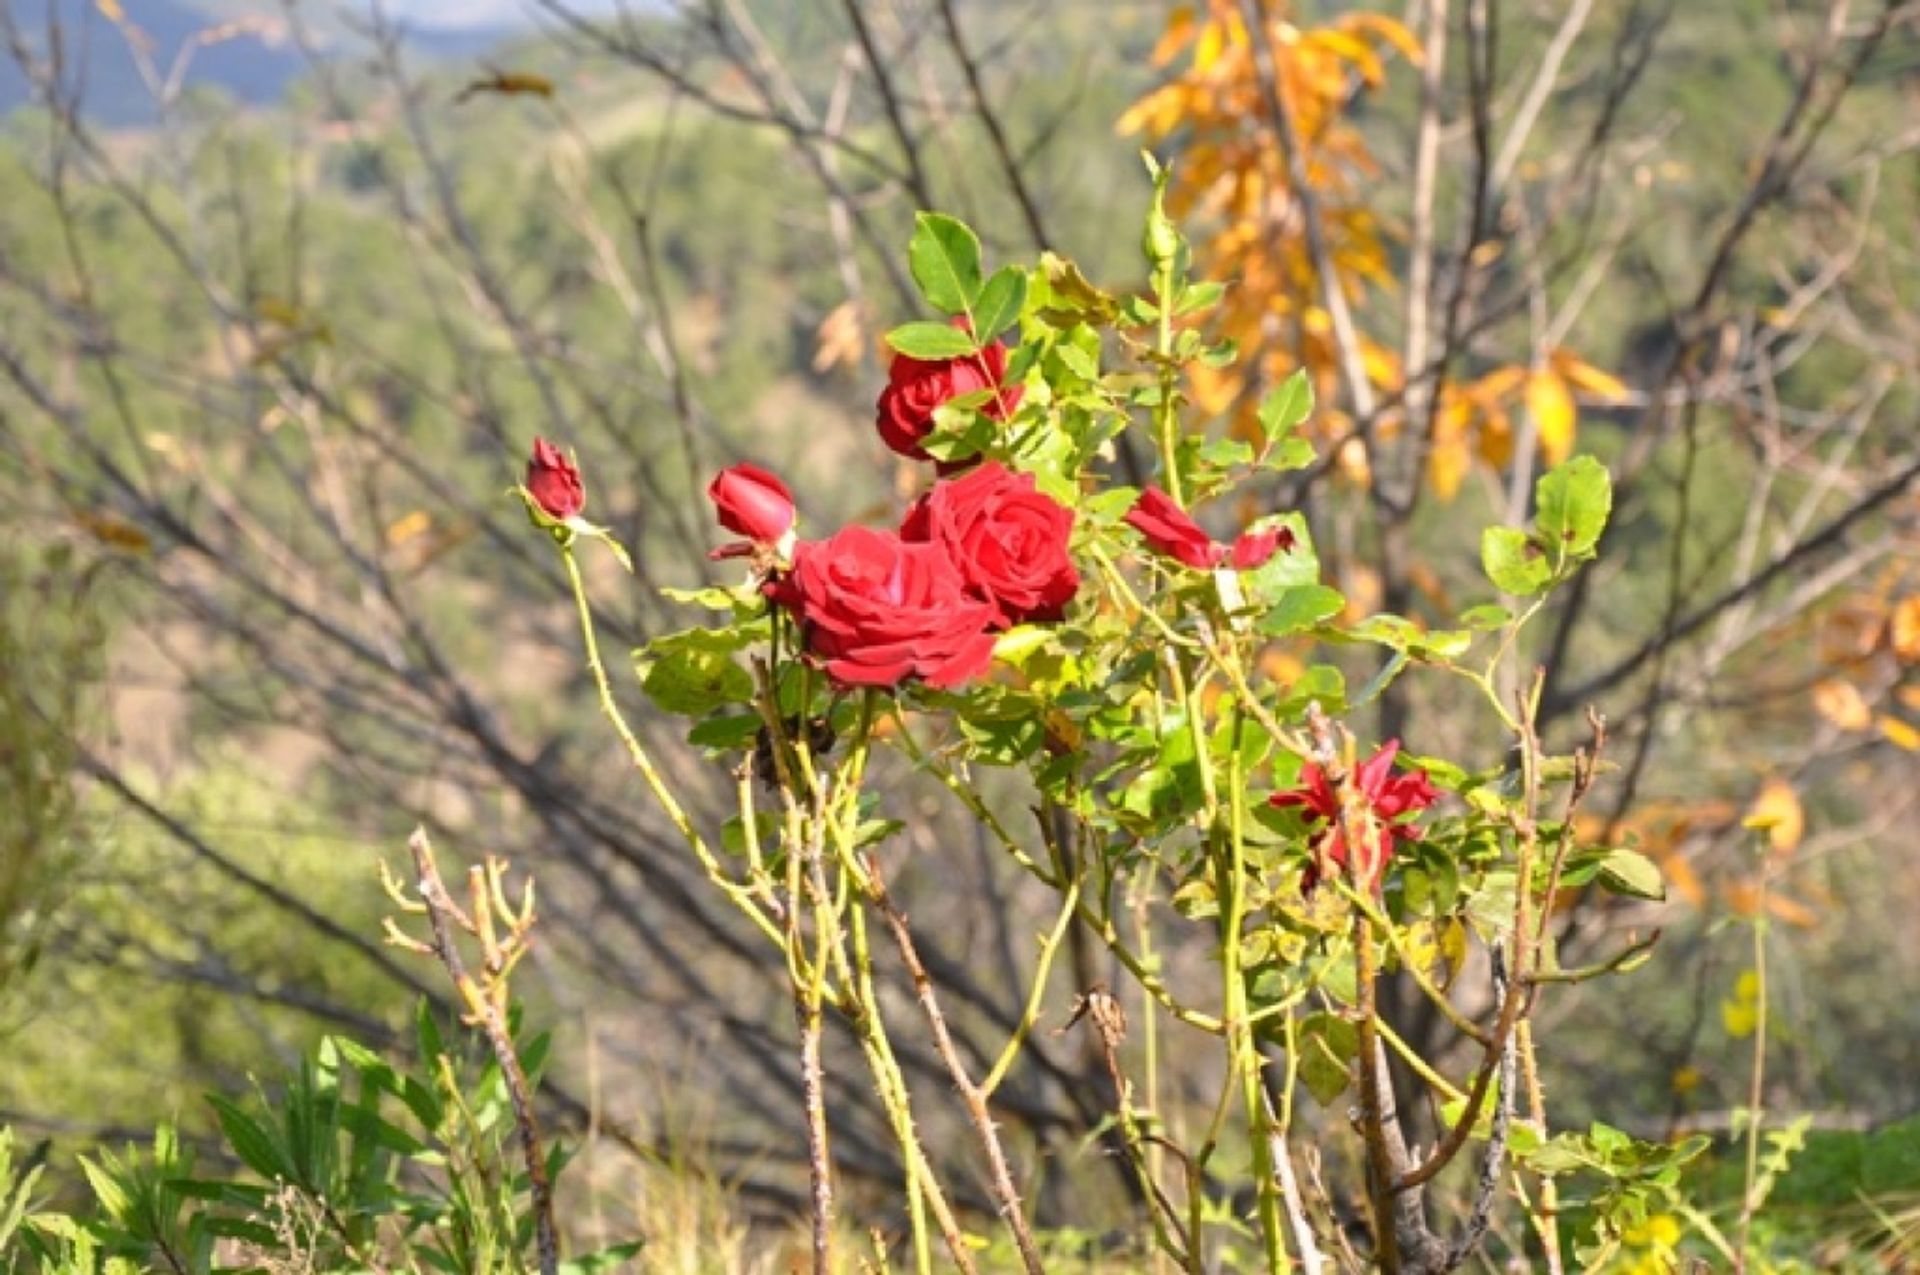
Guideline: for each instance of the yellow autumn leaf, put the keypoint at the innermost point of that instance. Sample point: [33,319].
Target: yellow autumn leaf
[110,10]
[1585,377]
[407,526]
[1352,49]
[1903,629]
[1554,415]
[1498,383]
[1389,30]
[1840,702]
[1740,1012]
[1900,734]
[1777,812]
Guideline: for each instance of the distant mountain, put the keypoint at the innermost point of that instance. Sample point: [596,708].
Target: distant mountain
[249,57]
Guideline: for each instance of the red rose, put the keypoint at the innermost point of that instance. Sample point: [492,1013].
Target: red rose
[751,502]
[1169,530]
[1008,538]
[916,387]
[1388,794]
[876,610]
[554,482]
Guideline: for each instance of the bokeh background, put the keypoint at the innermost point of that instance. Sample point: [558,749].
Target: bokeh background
[285,293]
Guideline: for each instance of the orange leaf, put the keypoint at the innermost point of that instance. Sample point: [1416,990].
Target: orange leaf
[407,526]
[1388,30]
[1904,629]
[1554,415]
[1841,703]
[1583,375]
[1179,32]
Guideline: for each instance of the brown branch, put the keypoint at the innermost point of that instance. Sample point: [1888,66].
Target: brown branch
[970,1093]
[996,134]
[483,1000]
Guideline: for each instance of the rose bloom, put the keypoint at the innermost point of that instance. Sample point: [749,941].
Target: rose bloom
[1388,793]
[1167,528]
[554,482]
[875,610]
[1008,539]
[916,387]
[750,502]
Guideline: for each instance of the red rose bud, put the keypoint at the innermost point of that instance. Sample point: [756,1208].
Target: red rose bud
[875,611]
[1008,539]
[1168,529]
[751,502]
[916,388]
[1254,548]
[1388,795]
[554,482]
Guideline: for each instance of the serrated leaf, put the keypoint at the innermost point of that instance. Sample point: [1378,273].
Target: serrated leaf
[693,673]
[1631,873]
[1000,302]
[1513,562]
[1573,502]
[1328,1046]
[944,256]
[1287,405]
[931,341]
[1299,608]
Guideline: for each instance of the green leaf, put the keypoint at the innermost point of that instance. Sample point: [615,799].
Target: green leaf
[607,1259]
[945,258]
[1000,302]
[1299,608]
[1484,619]
[727,732]
[1631,873]
[931,341]
[1572,503]
[1513,562]
[693,673]
[1287,405]
[1328,1046]
[257,1148]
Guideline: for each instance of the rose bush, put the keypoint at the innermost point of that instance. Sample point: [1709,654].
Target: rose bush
[876,610]
[1178,740]
[918,387]
[1008,539]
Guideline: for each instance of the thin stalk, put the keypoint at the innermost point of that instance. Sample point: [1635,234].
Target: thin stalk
[676,814]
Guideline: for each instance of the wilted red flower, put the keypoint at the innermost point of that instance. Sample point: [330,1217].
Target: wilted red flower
[1389,794]
[753,503]
[876,610]
[1168,529]
[1008,538]
[554,482]
[917,387]
[1253,548]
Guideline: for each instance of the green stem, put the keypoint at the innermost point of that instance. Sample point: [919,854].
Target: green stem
[676,814]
